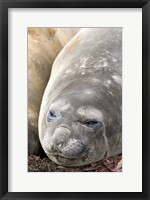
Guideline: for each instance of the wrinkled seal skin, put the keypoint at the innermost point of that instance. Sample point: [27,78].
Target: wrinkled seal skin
[81,112]
[44,44]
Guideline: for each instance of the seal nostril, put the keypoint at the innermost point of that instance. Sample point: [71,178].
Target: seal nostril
[59,144]
[50,147]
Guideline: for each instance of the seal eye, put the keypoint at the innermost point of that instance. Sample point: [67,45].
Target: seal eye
[93,124]
[51,115]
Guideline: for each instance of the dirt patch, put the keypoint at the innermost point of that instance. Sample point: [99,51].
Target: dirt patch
[37,164]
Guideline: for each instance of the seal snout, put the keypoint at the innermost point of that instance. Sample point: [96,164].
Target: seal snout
[58,139]
[73,149]
[62,143]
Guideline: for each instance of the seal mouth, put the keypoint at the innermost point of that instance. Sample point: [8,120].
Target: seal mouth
[65,156]
[59,155]
[63,160]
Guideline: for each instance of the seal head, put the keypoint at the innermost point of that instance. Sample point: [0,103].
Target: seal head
[80,116]
[74,133]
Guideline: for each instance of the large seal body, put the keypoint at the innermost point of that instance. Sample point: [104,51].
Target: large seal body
[44,44]
[81,112]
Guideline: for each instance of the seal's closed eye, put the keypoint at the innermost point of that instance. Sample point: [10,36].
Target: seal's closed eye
[53,115]
[93,124]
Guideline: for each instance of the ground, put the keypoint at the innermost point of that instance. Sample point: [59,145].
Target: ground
[38,164]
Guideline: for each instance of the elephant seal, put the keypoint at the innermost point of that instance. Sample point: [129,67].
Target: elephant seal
[80,118]
[44,44]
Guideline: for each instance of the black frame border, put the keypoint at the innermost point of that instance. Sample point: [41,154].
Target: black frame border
[4,6]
